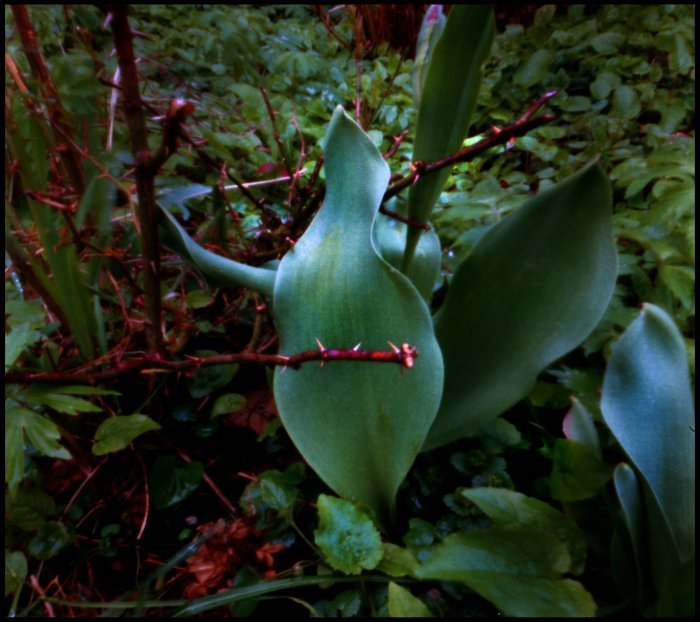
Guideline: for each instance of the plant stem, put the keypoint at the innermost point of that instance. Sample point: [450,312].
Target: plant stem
[146,209]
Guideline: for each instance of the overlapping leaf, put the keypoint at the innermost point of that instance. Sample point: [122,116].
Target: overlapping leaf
[358,424]
[447,99]
[648,405]
[533,288]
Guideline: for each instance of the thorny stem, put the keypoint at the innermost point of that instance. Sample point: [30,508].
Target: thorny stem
[404,356]
[144,173]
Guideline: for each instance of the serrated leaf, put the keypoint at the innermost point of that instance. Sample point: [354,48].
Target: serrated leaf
[272,489]
[403,604]
[41,433]
[168,484]
[509,508]
[346,536]
[21,336]
[59,398]
[448,99]
[518,569]
[348,416]
[29,508]
[647,404]
[115,433]
[533,288]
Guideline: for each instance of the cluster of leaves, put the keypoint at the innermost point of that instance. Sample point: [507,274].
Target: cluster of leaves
[626,80]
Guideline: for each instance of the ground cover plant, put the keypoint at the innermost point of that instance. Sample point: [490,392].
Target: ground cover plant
[302,315]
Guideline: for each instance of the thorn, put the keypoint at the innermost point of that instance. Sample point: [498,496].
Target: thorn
[496,130]
[357,347]
[320,345]
[393,347]
[322,364]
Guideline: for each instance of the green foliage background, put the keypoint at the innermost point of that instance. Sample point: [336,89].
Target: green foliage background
[627,80]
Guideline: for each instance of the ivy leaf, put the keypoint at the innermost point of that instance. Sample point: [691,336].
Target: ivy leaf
[206,380]
[347,536]
[115,433]
[169,484]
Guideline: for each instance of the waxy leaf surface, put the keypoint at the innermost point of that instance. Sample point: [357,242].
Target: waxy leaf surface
[358,424]
[533,288]
[447,99]
[648,406]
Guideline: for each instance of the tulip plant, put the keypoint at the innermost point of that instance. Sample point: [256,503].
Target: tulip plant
[357,285]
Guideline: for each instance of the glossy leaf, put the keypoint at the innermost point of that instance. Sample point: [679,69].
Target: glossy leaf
[50,540]
[648,406]
[535,285]
[509,508]
[221,270]
[448,99]
[346,535]
[518,569]
[115,433]
[358,424]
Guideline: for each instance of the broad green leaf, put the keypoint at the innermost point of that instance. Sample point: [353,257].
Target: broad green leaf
[534,287]
[518,569]
[15,571]
[389,236]
[358,424]
[430,32]
[220,269]
[448,98]
[272,489]
[577,472]
[169,484]
[403,604]
[346,536]
[115,433]
[648,406]
[509,508]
